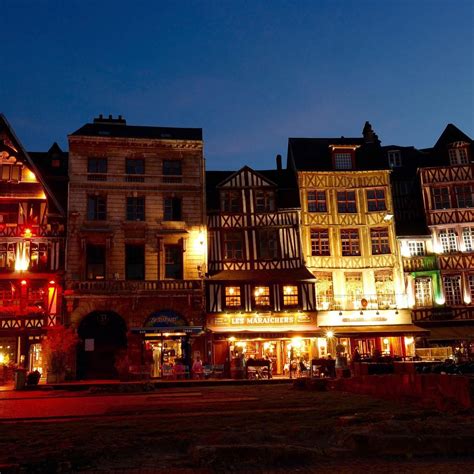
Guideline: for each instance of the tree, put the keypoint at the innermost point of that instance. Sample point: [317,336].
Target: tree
[57,347]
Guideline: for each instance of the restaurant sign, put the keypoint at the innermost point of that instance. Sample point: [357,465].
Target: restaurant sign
[163,319]
[270,321]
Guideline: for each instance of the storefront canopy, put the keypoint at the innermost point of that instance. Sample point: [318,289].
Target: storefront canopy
[399,330]
[451,333]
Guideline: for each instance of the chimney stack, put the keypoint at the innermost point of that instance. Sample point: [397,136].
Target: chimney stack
[278,162]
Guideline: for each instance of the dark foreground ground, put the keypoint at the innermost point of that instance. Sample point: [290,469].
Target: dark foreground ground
[264,428]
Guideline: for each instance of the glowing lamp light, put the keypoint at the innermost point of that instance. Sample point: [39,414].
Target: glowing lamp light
[467,299]
[386,341]
[440,300]
[330,334]
[231,290]
[52,282]
[231,339]
[23,282]
[409,340]
[296,342]
[2,358]
[27,234]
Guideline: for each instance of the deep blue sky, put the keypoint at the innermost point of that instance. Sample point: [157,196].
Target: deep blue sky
[251,74]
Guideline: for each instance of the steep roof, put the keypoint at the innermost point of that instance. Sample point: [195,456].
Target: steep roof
[451,134]
[23,155]
[284,180]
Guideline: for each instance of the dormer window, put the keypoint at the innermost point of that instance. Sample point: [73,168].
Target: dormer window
[394,159]
[458,154]
[343,160]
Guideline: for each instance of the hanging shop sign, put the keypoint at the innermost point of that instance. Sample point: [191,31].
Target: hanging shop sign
[165,319]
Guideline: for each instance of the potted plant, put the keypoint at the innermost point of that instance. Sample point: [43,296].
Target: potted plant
[58,346]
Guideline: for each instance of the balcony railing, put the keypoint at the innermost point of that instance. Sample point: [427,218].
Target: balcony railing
[351,302]
[153,179]
[123,286]
[420,263]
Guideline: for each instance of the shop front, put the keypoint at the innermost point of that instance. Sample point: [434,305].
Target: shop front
[168,344]
[282,339]
[371,332]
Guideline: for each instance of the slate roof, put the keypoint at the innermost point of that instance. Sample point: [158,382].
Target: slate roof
[55,176]
[314,154]
[119,130]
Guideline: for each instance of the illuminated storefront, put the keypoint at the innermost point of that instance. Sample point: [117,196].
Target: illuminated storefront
[281,338]
[388,332]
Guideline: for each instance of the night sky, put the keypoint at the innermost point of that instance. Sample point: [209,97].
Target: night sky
[251,74]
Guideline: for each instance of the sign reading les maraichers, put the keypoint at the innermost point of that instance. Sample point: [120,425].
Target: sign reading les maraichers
[262,320]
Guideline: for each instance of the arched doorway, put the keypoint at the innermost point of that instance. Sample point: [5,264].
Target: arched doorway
[103,334]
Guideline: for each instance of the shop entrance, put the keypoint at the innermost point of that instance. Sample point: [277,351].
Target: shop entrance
[166,354]
[103,334]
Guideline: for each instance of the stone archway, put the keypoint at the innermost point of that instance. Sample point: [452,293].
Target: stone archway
[102,334]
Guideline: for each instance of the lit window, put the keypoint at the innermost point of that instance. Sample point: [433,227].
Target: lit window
[262,296]
[464,196]
[448,239]
[290,295]
[441,198]
[319,242]
[264,201]
[384,289]
[350,242]
[346,202]
[452,290]
[342,161]
[376,200]
[11,172]
[470,282]
[468,238]
[7,256]
[231,201]
[380,242]
[233,248]
[232,296]
[324,290]
[416,249]
[394,159]
[354,290]
[423,292]
[317,201]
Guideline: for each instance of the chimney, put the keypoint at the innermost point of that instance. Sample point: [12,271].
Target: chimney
[110,120]
[278,162]
[369,135]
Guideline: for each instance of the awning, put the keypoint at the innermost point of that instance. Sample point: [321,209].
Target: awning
[171,330]
[451,333]
[399,330]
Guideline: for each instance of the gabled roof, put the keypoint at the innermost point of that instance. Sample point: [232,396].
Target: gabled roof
[245,177]
[53,165]
[451,134]
[23,155]
[282,180]
[119,130]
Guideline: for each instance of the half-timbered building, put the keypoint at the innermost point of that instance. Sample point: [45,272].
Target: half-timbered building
[32,238]
[447,183]
[136,246]
[349,243]
[260,296]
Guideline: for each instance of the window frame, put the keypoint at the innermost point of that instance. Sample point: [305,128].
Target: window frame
[453,293]
[231,297]
[265,197]
[464,196]
[380,241]
[264,237]
[132,176]
[345,202]
[352,239]
[173,216]
[96,172]
[133,209]
[234,250]
[288,300]
[379,203]
[394,158]
[179,251]
[167,168]
[127,255]
[317,201]
[448,237]
[97,214]
[266,296]
[441,195]
[338,154]
[320,242]
[230,201]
